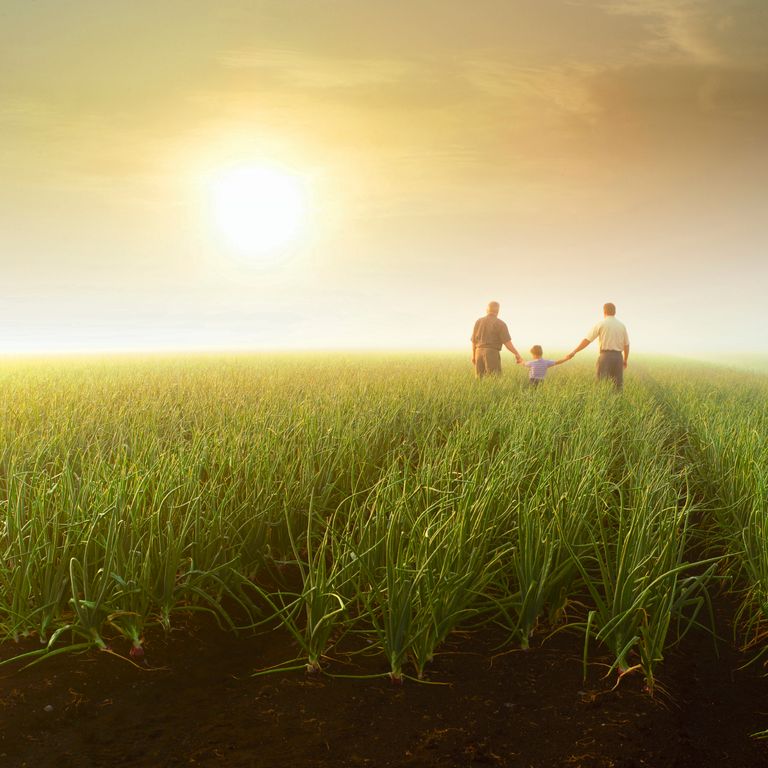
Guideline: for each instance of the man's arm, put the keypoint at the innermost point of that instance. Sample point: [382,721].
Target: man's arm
[626,354]
[511,347]
[473,352]
[562,360]
[583,345]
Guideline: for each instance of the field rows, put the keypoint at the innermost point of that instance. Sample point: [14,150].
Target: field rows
[392,500]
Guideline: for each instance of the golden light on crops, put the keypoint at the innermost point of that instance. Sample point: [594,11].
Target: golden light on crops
[259,211]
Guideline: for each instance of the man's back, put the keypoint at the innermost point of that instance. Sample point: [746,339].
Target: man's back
[613,334]
[491,332]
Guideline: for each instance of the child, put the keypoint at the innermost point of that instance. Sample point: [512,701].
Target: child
[537,368]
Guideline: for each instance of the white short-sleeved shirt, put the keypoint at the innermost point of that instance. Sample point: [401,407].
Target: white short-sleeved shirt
[613,335]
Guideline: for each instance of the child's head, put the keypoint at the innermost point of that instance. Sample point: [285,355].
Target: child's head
[537,351]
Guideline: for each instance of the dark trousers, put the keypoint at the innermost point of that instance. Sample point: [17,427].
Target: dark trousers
[487,361]
[610,365]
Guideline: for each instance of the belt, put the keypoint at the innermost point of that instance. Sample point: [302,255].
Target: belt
[617,351]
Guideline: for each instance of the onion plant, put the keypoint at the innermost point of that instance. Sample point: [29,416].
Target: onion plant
[394,498]
[315,611]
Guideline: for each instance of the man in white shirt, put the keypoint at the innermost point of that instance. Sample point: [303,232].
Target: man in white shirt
[614,346]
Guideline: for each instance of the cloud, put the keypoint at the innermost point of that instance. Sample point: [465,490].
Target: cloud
[300,69]
[728,33]
[24,112]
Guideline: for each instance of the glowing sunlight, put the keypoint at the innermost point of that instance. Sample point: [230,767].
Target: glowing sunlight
[258,211]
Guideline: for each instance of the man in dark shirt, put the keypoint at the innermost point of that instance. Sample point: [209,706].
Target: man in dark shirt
[488,337]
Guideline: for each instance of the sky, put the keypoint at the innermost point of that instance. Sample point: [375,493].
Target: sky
[548,154]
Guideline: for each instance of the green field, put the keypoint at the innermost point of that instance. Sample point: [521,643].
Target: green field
[388,499]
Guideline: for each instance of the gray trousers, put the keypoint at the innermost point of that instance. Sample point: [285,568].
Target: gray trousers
[610,365]
[487,360]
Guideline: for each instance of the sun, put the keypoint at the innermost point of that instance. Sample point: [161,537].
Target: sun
[258,210]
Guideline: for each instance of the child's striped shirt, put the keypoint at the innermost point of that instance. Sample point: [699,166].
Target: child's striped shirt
[537,369]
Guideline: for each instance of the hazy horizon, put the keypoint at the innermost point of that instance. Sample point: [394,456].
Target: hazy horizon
[548,156]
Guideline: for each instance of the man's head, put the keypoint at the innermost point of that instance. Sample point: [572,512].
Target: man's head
[493,308]
[537,351]
[609,309]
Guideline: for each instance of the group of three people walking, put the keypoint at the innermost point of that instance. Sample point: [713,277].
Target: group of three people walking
[490,334]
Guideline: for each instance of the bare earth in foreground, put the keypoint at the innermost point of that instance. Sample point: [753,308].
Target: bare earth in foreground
[528,709]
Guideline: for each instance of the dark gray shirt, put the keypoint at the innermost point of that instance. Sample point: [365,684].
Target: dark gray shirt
[491,332]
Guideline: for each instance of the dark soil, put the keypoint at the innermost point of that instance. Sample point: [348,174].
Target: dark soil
[198,705]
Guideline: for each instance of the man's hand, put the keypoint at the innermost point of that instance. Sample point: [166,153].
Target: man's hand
[473,359]
[583,344]
[625,363]
[519,360]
